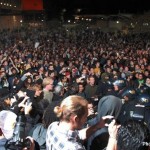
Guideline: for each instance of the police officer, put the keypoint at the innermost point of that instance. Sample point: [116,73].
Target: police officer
[102,85]
[114,87]
[142,109]
[128,96]
[110,89]
[143,89]
[119,86]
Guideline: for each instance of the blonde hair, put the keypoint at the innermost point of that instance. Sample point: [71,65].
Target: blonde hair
[46,81]
[71,105]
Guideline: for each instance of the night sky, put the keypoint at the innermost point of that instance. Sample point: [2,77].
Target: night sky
[54,7]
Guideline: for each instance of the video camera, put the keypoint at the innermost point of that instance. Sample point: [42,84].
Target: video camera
[18,141]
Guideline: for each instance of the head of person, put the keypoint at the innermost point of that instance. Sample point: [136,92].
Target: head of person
[119,84]
[6,99]
[143,89]
[137,67]
[143,99]
[97,64]
[59,90]
[68,75]
[14,71]
[28,81]
[51,67]
[129,76]
[37,90]
[126,68]
[91,109]
[48,83]
[133,135]
[81,87]
[105,77]
[63,78]
[128,94]
[7,123]
[140,76]
[84,72]
[108,69]
[148,81]
[92,70]
[148,67]
[109,105]
[73,110]
[52,74]
[91,80]
[146,73]
[73,89]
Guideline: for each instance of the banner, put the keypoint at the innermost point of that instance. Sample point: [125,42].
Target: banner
[32,5]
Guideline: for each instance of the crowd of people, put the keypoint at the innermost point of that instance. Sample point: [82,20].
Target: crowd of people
[61,81]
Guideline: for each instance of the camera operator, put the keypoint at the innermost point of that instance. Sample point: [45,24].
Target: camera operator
[8,128]
[20,103]
[17,100]
[21,126]
[19,141]
[11,101]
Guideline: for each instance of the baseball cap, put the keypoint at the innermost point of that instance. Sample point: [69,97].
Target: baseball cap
[7,123]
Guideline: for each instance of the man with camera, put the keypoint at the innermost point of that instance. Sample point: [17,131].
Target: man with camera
[15,124]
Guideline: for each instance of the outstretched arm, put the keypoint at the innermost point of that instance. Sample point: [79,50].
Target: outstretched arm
[87,132]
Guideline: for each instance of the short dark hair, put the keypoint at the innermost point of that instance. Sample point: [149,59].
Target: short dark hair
[133,135]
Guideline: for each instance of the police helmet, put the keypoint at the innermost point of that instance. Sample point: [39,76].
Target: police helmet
[109,84]
[129,92]
[144,99]
[120,83]
[142,89]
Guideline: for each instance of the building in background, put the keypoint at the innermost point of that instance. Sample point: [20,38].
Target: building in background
[16,13]
[10,13]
